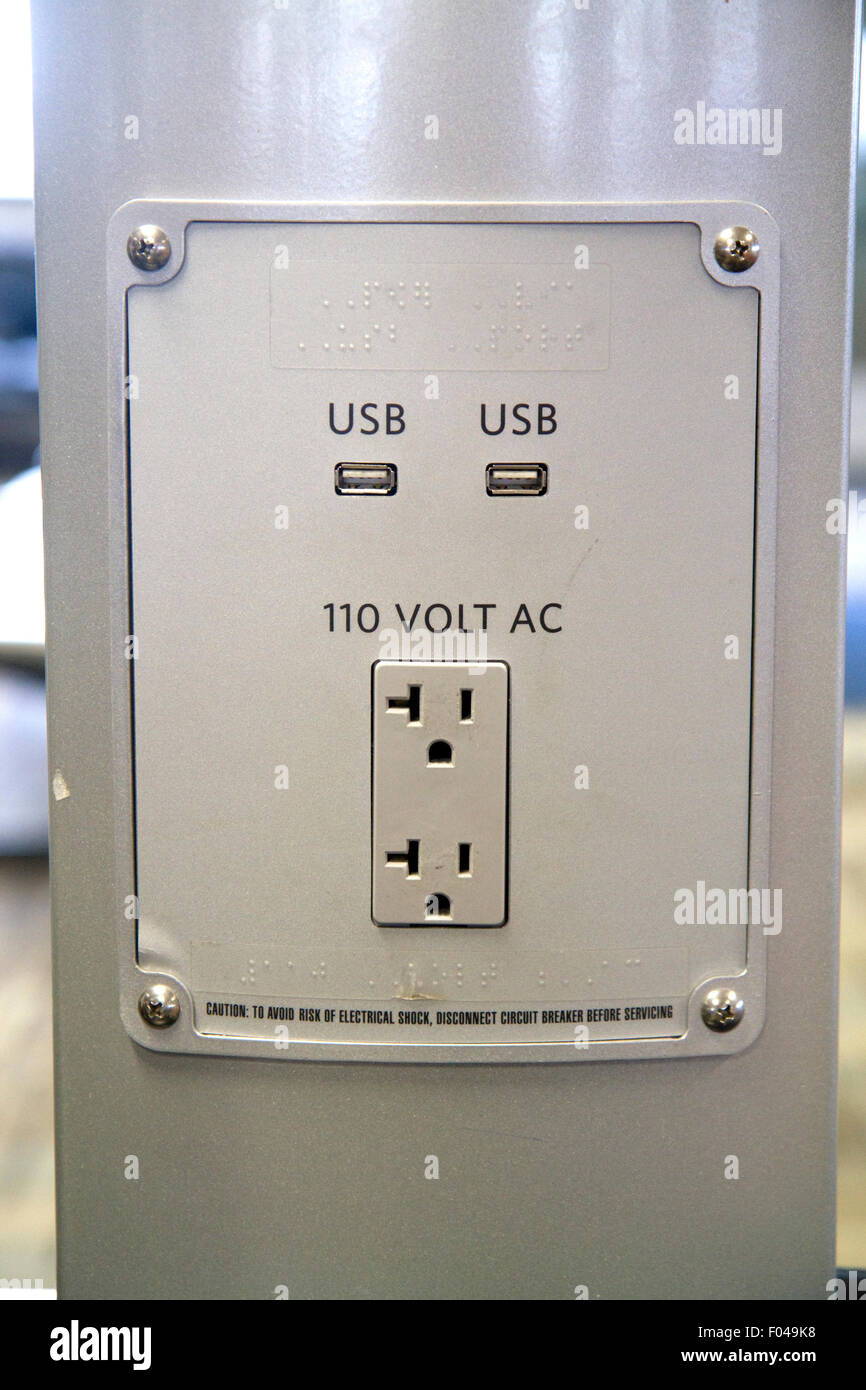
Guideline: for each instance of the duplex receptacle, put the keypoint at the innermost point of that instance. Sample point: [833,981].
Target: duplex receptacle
[440,793]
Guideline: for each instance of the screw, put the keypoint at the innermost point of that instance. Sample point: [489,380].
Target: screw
[736,248]
[722,1010]
[148,247]
[159,1006]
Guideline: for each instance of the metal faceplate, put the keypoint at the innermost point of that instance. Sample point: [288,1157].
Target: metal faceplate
[631,604]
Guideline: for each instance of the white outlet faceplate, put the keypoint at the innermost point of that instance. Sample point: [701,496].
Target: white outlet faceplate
[557,415]
[440,793]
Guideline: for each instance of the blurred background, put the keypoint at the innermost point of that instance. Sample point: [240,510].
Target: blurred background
[26,1157]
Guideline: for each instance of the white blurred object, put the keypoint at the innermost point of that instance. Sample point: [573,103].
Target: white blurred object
[16,100]
[23,772]
[28,1293]
[23,763]
[22,587]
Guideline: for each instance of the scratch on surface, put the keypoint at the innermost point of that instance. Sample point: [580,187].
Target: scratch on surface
[585,556]
[59,787]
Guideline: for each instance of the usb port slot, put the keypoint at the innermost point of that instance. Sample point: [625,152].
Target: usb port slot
[516,479]
[365,478]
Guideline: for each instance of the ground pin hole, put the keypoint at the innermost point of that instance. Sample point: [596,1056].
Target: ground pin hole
[410,704]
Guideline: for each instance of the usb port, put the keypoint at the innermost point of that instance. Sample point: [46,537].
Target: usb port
[365,478]
[516,479]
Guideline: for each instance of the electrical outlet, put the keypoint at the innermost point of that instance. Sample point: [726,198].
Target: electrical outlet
[440,793]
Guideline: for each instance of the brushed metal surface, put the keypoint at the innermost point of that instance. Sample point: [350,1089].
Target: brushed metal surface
[550,1177]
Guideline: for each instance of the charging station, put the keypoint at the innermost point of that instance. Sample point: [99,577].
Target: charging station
[445,643]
